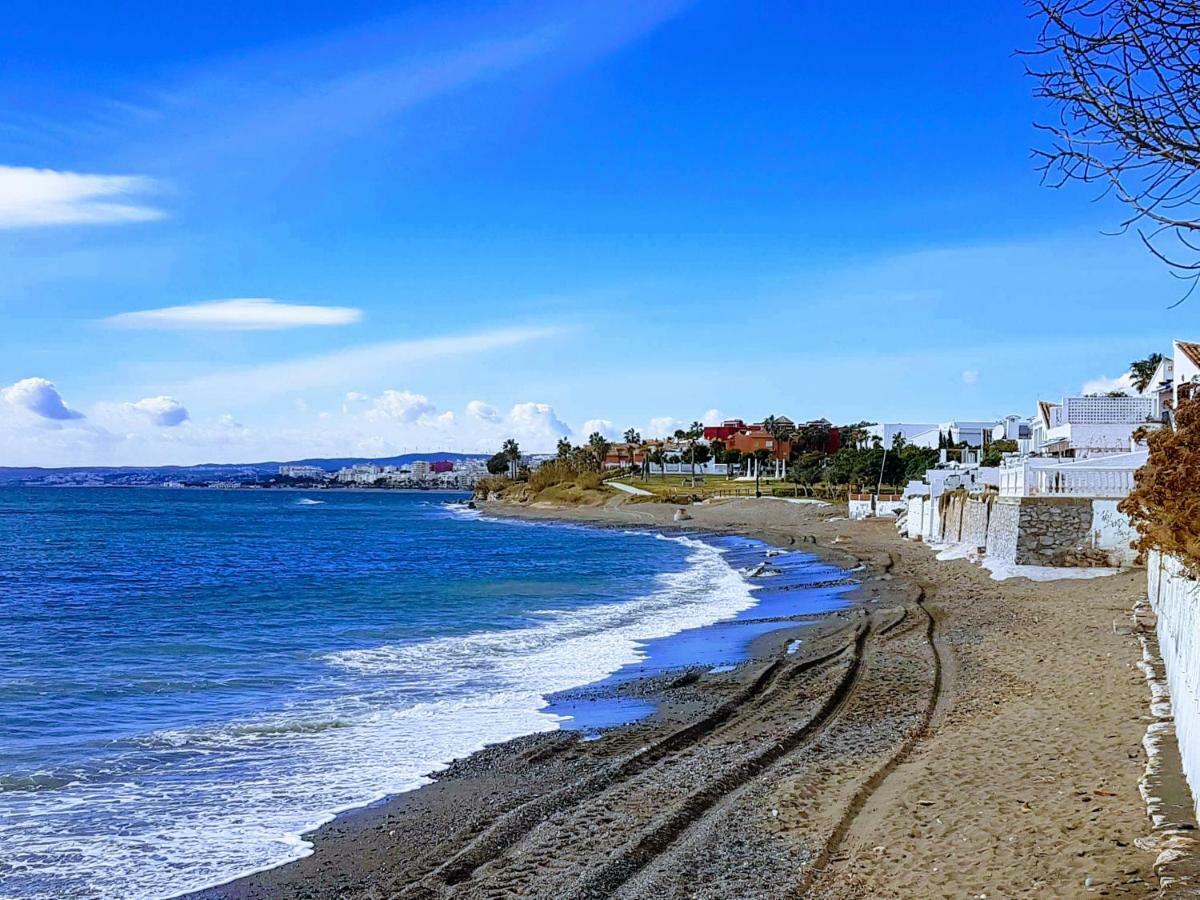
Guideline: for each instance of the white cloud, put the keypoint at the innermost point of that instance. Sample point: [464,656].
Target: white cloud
[32,198]
[477,409]
[401,406]
[353,365]
[1105,385]
[536,422]
[239,314]
[604,426]
[40,397]
[166,412]
[663,426]
[712,417]
[391,422]
[970,376]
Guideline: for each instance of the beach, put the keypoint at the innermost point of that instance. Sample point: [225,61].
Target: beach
[943,735]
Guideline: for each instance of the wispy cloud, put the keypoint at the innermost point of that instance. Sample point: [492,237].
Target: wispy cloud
[36,198]
[250,314]
[354,365]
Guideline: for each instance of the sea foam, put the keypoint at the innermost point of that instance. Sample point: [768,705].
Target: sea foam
[207,822]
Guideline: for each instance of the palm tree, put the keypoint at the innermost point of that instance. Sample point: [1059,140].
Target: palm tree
[564,448]
[633,440]
[512,452]
[599,446]
[1143,370]
[695,432]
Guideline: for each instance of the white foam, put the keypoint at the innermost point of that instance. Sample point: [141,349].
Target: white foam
[236,798]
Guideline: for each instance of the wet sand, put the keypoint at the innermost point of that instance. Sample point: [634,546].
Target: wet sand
[948,736]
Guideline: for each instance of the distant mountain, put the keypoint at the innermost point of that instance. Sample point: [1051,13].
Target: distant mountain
[202,472]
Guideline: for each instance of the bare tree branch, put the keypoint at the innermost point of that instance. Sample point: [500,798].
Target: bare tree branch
[1124,79]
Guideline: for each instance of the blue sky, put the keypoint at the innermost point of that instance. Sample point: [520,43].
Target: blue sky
[457,222]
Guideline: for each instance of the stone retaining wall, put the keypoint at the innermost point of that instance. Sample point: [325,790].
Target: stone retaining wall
[1057,531]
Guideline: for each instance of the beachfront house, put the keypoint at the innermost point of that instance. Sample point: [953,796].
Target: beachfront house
[973,434]
[1186,380]
[1097,425]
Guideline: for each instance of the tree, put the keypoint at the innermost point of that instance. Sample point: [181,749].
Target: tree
[657,457]
[1143,370]
[996,450]
[512,452]
[732,459]
[807,469]
[633,439]
[1122,75]
[564,448]
[694,433]
[598,447]
[856,435]
[498,464]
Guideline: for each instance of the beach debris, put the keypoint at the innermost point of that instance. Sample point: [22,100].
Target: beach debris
[681,515]
[762,570]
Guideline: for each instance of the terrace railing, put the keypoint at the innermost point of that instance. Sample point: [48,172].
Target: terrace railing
[1082,481]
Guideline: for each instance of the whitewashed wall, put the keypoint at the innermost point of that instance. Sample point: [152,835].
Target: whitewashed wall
[1112,531]
[889,507]
[931,525]
[1176,601]
[916,512]
[860,509]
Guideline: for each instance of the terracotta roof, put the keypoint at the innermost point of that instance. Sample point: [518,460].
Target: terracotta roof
[1190,350]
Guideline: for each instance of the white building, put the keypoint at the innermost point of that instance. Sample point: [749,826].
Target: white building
[359,473]
[1090,426]
[420,469]
[313,473]
[887,432]
[973,434]
[1186,375]
[1013,428]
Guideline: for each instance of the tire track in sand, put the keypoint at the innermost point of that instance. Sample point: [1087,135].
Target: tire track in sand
[514,825]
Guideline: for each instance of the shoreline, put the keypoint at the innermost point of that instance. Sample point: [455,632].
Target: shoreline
[907,717]
[653,688]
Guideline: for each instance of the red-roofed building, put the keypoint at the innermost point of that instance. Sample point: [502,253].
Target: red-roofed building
[724,431]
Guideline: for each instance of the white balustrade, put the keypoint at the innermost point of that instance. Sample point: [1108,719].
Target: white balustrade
[1083,481]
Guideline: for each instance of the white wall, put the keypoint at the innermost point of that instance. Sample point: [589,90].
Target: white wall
[1112,531]
[1176,601]
[916,513]
[1186,371]
[860,509]
[889,507]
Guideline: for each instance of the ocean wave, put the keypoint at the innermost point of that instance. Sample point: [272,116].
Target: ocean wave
[569,648]
[252,787]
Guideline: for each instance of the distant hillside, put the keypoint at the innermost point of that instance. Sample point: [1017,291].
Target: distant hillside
[202,472]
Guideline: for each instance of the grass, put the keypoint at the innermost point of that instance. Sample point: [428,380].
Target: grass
[678,488]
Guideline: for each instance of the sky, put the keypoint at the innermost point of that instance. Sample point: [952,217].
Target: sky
[243,232]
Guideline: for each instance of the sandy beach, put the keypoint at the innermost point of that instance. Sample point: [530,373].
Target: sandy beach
[946,736]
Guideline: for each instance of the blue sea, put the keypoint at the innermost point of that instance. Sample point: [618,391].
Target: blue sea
[192,679]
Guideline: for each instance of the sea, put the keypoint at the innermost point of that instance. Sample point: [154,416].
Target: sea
[192,679]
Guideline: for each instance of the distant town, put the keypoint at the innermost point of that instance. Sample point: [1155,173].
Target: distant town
[417,471]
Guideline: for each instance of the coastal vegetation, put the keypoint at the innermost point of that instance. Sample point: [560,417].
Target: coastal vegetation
[575,476]
[1164,505]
